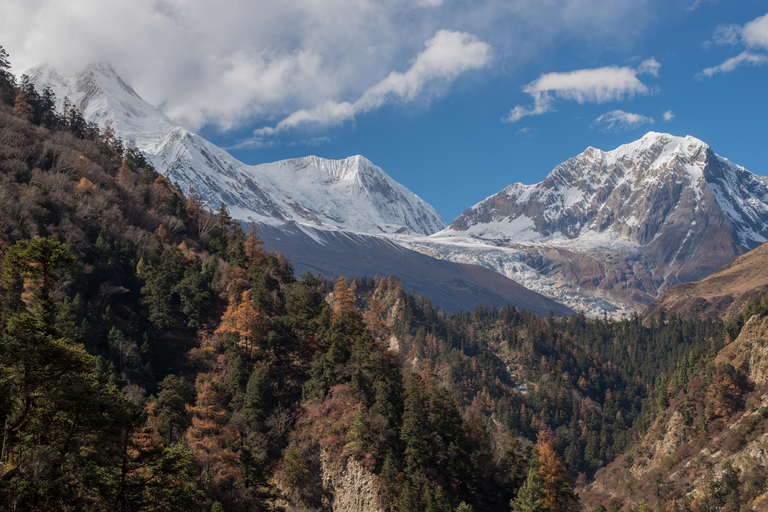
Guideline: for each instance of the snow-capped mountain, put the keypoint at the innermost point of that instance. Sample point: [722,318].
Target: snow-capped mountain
[619,226]
[350,194]
[638,192]
[326,216]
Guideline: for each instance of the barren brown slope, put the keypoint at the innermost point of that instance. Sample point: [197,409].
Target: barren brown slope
[723,294]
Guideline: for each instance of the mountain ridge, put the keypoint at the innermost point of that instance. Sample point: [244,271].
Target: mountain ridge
[362,198]
[723,293]
[622,225]
[322,214]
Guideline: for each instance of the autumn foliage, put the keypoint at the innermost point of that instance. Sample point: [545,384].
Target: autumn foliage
[242,319]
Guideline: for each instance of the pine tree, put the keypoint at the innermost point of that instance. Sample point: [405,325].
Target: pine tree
[357,443]
[22,107]
[531,496]
[245,320]
[171,402]
[215,445]
[7,81]
[257,398]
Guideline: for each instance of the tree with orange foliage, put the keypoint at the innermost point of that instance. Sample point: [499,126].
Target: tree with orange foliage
[374,317]
[22,108]
[254,253]
[558,495]
[343,300]
[244,319]
[215,446]
[725,393]
[124,176]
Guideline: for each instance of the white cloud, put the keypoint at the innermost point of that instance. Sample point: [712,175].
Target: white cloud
[542,103]
[650,67]
[742,59]
[753,35]
[620,121]
[252,61]
[668,116]
[696,3]
[448,54]
[726,35]
[598,85]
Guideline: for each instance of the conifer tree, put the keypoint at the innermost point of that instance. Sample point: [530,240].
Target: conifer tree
[244,319]
[7,82]
[256,399]
[215,446]
[531,496]
[171,402]
[559,496]
[356,437]
[22,108]
[343,299]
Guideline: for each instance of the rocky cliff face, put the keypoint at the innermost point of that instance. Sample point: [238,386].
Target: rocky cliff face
[644,192]
[713,436]
[348,487]
[625,224]
[749,353]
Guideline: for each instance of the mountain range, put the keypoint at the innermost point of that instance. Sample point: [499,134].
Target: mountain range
[622,225]
[350,194]
[324,215]
[606,232]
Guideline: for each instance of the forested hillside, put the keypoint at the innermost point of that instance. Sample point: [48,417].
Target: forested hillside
[154,357]
[706,447]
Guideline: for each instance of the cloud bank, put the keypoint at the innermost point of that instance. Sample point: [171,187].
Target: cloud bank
[448,54]
[753,36]
[599,85]
[255,62]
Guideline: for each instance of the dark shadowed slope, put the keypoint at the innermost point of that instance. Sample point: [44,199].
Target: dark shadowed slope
[451,286]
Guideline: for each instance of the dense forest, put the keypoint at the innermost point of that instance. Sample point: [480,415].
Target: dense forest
[154,357]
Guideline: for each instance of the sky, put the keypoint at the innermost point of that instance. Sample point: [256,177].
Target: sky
[455,99]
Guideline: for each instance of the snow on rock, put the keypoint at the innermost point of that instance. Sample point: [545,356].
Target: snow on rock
[611,230]
[623,191]
[350,194]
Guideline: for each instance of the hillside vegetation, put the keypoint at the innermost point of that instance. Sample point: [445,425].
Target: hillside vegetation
[154,357]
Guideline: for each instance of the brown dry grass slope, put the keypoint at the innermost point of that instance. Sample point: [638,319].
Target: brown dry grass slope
[723,294]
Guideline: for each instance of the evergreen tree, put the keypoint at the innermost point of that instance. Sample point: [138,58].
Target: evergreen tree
[257,398]
[7,81]
[357,444]
[530,497]
[172,401]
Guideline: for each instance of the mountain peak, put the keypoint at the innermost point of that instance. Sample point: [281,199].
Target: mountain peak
[349,194]
[628,193]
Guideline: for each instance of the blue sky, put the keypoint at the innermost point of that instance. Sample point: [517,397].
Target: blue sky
[453,98]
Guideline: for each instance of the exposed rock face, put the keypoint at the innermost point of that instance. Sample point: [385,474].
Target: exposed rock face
[349,487]
[630,223]
[722,294]
[749,353]
[647,192]
[687,448]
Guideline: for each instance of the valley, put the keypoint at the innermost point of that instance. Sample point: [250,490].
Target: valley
[606,232]
[182,331]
